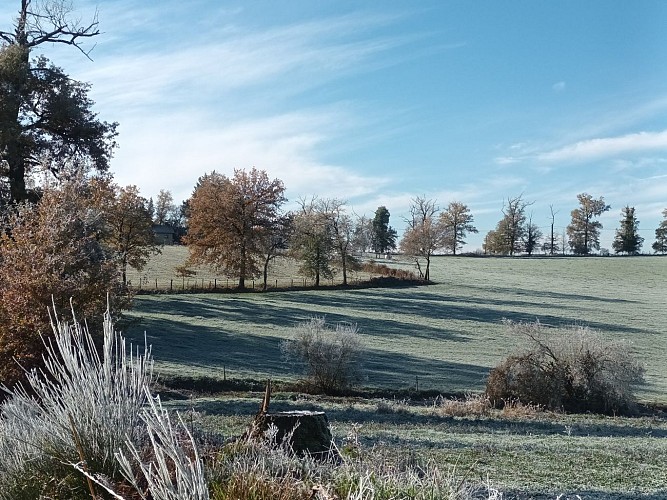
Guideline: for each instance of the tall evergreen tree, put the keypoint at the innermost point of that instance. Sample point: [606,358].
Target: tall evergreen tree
[383,236]
[660,244]
[46,118]
[627,238]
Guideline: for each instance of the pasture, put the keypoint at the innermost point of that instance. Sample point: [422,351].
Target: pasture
[445,337]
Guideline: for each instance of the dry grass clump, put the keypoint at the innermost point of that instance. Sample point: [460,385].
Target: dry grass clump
[393,406]
[516,409]
[571,368]
[478,405]
[88,424]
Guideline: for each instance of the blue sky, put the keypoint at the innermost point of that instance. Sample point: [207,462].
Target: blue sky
[378,102]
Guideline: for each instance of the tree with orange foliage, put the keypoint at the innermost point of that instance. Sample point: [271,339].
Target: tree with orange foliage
[127,225]
[231,219]
[51,253]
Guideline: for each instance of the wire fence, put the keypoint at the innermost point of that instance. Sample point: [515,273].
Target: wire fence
[195,284]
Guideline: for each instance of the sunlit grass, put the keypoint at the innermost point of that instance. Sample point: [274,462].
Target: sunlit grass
[444,337]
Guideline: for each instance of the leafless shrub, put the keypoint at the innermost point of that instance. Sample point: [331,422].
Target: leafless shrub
[570,368]
[331,355]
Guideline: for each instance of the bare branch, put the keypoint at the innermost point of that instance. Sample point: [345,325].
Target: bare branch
[50,21]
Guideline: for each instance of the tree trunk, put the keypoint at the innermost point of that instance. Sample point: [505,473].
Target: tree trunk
[242,270]
[266,272]
[10,135]
[124,270]
[343,254]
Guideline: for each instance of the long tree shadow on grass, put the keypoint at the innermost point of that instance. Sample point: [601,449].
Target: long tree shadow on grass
[399,304]
[267,314]
[440,307]
[175,340]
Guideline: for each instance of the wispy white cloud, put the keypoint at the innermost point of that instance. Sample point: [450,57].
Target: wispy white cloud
[593,149]
[607,146]
[286,59]
[156,157]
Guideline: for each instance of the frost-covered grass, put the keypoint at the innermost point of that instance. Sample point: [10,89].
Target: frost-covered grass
[88,426]
[161,273]
[524,452]
[67,432]
[445,337]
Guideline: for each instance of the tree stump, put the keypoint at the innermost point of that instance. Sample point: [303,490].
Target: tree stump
[307,432]
[310,433]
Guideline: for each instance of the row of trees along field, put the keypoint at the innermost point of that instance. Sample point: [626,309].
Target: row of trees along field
[236,225]
[517,233]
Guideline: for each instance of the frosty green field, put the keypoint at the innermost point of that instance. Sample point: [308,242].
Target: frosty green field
[444,336]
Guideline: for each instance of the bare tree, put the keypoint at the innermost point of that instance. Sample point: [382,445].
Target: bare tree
[165,209]
[276,239]
[312,242]
[514,222]
[553,247]
[50,21]
[424,234]
[361,239]
[342,230]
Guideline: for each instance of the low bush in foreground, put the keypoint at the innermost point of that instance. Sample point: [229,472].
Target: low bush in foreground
[571,368]
[330,355]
